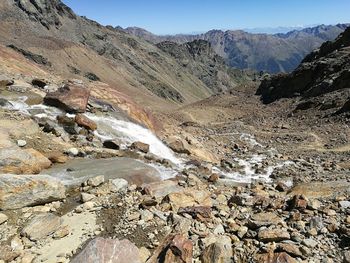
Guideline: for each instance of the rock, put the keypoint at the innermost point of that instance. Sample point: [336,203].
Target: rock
[264,219]
[347,220]
[96,181]
[7,254]
[72,97]
[85,197]
[146,215]
[314,204]
[213,178]
[218,252]
[291,249]
[219,230]
[56,157]
[176,249]
[85,122]
[41,226]
[41,83]
[108,250]
[161,189]
[21,143]
[62,232]
[344,204]
[5,81]
[22,161]
[273,235]
[4,103]
[196,211]
[140,146]
[309,243]
[298,202]
[73,151]
[111,144]
[179,145]
[189,197]
[17,191]
[346,256]
[281,187]
[3,218]
[119,185]
[275,258]
[68,124]
[144,254]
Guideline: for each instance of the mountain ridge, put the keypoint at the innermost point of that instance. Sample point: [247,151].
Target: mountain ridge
[249,51]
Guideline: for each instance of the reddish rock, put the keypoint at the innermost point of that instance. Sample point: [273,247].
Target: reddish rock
[275,258]
[196,211]
[213,178]
[108,250]
[72,97]
[298,202]
[85,122]
[179,145]
[174,249]
[140,146]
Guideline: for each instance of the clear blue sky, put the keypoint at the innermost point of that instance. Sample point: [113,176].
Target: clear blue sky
[186,16]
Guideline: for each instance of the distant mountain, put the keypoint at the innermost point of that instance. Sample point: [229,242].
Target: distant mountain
[262,52]
[321,81]
[49,33]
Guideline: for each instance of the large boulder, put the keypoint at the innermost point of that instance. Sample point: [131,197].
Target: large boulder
[189,197]
[179,145]
[108,250]
[17,161]
[17,191]
[72,97]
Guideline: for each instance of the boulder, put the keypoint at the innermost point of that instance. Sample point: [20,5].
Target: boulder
[189,197]
[103,250]
[56,157]
[111,144]
[273,235]
[119,185]
[264,219]
[17,191]
[218,252]
[85,122]
[41,226]
[140,146]
[161,189]
[174,249]
[72,97]
[27,161]
[41,83]
[179,145]
[275,258]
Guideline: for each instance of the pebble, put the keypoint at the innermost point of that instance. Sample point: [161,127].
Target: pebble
[21,143]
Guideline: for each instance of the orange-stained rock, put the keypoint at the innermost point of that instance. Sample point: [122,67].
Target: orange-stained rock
[275,258]
[72,97]
[85,122]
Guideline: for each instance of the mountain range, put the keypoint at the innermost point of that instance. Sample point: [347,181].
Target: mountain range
[261,52]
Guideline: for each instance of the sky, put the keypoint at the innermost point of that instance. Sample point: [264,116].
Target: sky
[193,16]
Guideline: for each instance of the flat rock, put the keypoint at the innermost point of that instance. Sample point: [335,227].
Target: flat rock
[17,191]
[41,226]
[218,252]
[161,189]
[179,145]
[273,235]
[189,197]
[275,258]
[73,97]
[26,161]
[3,218]
[264,219]
[108,250]
[85,122]
[320,189]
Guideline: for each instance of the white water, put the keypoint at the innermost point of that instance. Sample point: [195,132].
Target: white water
[126,132]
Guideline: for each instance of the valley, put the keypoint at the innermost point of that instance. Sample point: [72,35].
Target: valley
[116,149]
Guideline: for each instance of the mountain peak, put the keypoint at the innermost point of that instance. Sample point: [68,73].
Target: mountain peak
[47,12]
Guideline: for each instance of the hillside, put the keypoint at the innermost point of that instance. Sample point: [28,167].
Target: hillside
[321,81]
[260,52]
[52,35]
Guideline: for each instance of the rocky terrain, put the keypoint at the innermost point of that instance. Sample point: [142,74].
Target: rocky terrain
[96,167]
[260,52]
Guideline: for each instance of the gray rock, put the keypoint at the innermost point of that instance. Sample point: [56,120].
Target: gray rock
[344,204]
[309,243]
[73,151]
[85,197]
[41,226]
[218,252]
[273,235]
[17,191]
[108,250]
[96,181]
[119,185]
[21,143]
[3,218]
[346,256]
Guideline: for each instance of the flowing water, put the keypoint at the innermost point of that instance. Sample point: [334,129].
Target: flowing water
[127,132]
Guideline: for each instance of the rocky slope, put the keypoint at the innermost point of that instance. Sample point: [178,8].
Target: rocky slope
[320,82]
[50,34]
[260,52]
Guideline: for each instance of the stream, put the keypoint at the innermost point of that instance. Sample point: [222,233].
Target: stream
[126,132]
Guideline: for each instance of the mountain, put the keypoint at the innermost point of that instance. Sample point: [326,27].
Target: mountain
[261,52]
[52,35]
[321,80]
